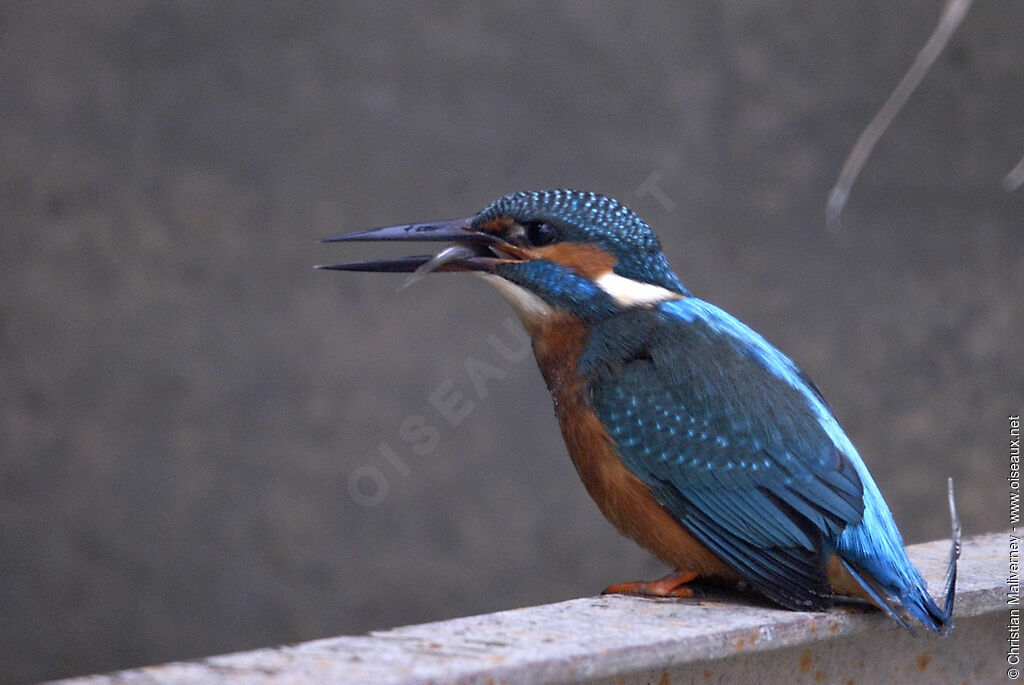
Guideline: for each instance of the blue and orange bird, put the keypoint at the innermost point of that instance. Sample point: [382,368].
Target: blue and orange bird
[695,436]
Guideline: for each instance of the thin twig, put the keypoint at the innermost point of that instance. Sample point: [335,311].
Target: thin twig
[1014,179]
[952,15]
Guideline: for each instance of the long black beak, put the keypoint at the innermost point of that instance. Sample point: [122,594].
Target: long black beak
[471,254]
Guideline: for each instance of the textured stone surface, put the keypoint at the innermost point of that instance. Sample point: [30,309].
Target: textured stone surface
[185,401]
[628,639]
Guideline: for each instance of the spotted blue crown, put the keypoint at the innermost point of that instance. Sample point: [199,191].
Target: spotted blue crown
[587,217]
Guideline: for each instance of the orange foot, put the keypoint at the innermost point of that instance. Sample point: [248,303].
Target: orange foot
[672,585]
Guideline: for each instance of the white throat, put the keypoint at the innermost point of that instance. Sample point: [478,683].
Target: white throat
[530,308]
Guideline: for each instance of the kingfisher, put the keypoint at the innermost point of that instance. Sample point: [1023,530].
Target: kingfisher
[695,436]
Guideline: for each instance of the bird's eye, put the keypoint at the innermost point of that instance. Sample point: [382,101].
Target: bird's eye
[540,233]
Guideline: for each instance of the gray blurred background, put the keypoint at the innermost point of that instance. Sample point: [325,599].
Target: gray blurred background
[207,446]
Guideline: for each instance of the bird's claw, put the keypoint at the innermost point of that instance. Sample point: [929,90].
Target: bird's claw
[672,585]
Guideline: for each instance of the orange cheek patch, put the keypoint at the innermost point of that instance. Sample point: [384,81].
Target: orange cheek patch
[587,259]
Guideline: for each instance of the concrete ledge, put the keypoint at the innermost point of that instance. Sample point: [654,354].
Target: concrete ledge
[717,638]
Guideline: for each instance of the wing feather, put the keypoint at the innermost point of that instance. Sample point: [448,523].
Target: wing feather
[728,435]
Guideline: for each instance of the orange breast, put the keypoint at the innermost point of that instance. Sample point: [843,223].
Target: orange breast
[621,496]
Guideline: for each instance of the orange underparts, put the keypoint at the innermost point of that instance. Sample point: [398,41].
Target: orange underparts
[622,497]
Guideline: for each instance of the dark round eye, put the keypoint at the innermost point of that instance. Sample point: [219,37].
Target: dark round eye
[540,233]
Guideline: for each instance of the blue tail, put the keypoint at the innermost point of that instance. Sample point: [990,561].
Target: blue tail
[873,553]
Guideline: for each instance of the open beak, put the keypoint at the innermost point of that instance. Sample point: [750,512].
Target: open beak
[471,250]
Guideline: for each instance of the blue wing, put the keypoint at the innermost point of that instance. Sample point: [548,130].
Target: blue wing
[731,439]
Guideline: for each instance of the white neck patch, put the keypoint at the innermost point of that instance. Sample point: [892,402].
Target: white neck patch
[629,293]
[625,291]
